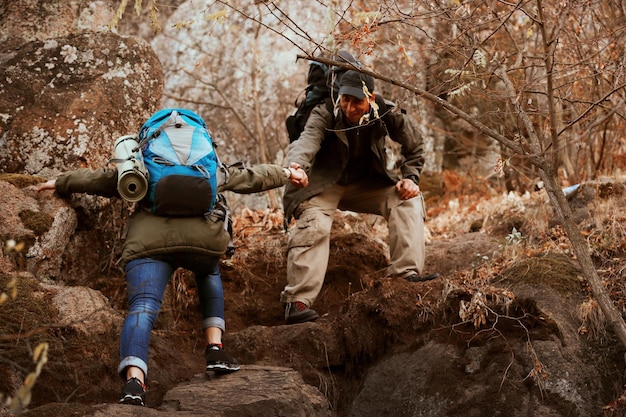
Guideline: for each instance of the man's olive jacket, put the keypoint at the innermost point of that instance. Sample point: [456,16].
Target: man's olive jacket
[322,151]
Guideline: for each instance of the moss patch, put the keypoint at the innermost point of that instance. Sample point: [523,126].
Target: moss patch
[36,221]
[21,180]
[553,269]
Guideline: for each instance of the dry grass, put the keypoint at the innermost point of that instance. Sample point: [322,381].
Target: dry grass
[592,321]
[21,314]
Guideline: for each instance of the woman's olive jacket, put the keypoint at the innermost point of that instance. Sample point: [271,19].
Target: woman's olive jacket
[150,235]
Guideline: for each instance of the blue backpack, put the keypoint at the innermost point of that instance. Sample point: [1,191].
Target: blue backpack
[180,158]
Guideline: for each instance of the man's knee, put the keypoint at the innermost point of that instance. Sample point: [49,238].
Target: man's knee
[413,205]
[311,228]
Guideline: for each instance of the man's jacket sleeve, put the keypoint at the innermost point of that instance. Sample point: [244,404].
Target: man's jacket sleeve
[303,150]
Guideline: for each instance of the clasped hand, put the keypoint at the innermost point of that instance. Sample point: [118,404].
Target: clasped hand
[298,177]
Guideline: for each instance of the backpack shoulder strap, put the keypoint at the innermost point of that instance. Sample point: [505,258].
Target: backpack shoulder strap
[330,106]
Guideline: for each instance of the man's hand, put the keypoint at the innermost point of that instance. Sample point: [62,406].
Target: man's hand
[407,189]
[297,176]
[48,185]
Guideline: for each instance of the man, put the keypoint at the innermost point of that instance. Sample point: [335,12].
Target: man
[344,155]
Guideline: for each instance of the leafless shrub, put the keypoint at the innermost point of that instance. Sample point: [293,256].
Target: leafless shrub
[23,396]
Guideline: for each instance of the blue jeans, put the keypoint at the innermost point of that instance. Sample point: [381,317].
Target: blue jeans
[146,280]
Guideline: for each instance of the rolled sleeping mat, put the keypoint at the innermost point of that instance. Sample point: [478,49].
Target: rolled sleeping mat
[132,177]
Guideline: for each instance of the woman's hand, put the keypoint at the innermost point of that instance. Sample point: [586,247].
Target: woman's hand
[48,185]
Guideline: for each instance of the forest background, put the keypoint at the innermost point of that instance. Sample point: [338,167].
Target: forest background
[526,94]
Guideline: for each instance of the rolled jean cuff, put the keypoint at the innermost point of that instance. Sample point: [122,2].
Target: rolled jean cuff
[214,322]
[132,361]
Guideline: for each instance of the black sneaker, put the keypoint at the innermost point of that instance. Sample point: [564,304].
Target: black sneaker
[134,392]
[422,278]
[298,312]
[218,361]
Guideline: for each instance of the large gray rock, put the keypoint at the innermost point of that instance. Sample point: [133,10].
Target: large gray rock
[64,101]
[254,391]
[44,235]
[31,20]
[83,309]
[531,362]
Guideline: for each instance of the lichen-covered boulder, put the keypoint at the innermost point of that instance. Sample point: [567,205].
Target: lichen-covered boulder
[64,101]
[30,20]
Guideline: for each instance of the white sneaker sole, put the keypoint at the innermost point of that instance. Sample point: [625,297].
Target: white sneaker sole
[222,368]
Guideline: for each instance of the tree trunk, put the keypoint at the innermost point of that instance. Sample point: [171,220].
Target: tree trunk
[559,202]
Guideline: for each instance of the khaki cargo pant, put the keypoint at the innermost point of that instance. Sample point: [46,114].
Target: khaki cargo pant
[309,240]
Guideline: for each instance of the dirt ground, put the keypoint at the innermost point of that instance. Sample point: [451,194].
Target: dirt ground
[371,314]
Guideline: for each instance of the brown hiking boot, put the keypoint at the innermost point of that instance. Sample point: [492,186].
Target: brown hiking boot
[422,278]
[298,312]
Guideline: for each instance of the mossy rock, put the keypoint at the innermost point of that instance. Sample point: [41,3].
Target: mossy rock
[36,221]
[22,180]
[553,269]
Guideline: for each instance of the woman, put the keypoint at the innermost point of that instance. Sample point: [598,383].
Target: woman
[156,246]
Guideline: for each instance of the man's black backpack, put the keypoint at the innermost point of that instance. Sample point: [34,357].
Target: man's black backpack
[322,86]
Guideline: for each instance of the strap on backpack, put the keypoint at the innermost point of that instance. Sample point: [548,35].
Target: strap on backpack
[221,212]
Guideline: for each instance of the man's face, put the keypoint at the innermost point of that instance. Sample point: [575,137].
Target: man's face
[353,108]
